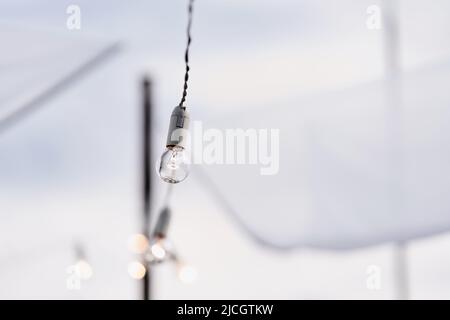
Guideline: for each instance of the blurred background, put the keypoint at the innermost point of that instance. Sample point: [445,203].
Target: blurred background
[363,114]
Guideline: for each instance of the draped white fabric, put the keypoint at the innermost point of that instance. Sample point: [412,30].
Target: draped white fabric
[335,187]
[33,61]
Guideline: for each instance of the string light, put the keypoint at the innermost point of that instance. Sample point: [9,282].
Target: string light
[159,250]
[174,163]
[186,273]
[138,243]
[159,246]
[83,269]
[136,270]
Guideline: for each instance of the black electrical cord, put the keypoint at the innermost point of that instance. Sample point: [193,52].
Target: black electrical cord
[186,54]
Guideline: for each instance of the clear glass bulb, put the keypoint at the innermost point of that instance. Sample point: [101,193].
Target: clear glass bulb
[174,165]
[158,249]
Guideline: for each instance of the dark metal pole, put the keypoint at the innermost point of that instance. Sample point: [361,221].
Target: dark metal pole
[401,271]
[146,175]
[395,131]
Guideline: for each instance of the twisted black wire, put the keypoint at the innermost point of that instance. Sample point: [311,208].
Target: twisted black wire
[186,54]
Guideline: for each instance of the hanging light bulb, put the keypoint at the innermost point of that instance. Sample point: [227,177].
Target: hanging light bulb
[162,224]
[186,273]
[83,269]
[138,243]
[159,246]
[158,249]
[174,164]
[136,270]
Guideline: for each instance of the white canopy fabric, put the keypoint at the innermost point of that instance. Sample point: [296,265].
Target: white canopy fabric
[33,62]
[334,186]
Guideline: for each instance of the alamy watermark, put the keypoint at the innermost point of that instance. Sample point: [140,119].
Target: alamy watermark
[373,21]
[373,279]
[235,146]
[77,273]
[73,21]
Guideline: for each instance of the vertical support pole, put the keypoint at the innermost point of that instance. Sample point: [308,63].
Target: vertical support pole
[146,175]
[394,108]
[394,116]
[401,271]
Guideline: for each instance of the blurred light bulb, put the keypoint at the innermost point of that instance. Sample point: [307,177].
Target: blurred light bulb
[138,243]
[158,250]
[136,270]
[187,274]
[174,165]
[83,269]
